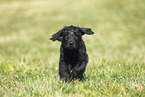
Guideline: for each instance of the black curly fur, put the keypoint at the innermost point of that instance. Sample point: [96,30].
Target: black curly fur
[73,56]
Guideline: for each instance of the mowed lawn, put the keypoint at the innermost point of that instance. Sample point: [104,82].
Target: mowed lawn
[29,60]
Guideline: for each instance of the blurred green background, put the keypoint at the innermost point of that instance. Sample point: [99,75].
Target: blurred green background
[27,25]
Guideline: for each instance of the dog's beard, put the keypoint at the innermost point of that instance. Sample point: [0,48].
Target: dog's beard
[68,46]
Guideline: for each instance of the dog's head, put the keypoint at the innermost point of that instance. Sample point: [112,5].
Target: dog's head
[71,36]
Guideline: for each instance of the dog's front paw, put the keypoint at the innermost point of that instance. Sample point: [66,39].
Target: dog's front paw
[65,78]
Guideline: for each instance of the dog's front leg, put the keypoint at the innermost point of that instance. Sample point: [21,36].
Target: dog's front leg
[64,72]
[78,70]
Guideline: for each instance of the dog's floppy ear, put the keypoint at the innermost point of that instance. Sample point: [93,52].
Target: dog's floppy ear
[87,31]
[57,36]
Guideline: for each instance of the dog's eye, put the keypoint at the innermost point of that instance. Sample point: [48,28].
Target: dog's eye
[66,38]
[65,33]
[76,37]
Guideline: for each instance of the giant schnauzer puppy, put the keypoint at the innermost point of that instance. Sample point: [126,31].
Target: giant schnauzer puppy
[73,56]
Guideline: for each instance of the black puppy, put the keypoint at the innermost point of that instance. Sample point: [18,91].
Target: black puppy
[73,56]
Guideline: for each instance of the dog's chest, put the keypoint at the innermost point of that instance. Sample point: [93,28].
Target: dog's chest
[71,56]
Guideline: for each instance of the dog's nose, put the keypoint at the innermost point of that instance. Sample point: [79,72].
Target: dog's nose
[71,43]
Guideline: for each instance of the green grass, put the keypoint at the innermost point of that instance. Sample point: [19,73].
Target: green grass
[29,60]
